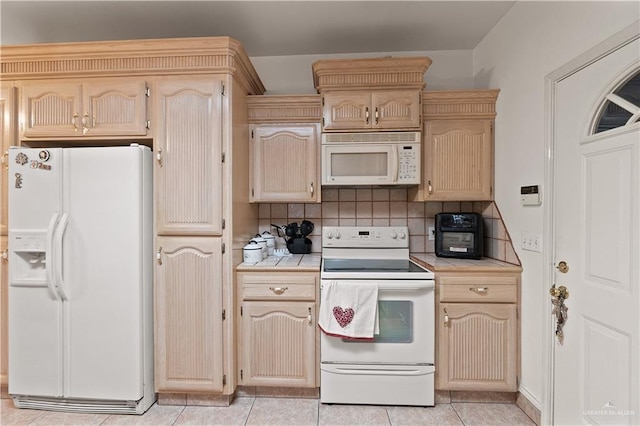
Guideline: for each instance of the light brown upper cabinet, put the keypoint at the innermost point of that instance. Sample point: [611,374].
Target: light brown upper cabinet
[457,160]
[72,108]
[371,94]
[284,148]
[188,149]
[386,109]
[457,149]
[284,163]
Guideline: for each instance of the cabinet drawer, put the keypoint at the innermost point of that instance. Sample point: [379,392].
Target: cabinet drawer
[479,293]
[478,279]
[281,291]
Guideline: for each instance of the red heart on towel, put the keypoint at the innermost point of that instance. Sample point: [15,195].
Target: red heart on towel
[343,317]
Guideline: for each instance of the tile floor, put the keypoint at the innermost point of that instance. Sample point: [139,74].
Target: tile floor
[282,411]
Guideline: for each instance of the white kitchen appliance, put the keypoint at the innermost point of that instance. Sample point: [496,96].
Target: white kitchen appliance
[380,158]
[397,367]
[80,279]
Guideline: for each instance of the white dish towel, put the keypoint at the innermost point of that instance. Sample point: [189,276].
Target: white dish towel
[349,310]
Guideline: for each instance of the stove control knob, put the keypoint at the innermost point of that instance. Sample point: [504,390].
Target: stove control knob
[330,235]
[394,235]
[403,235]
[338,235]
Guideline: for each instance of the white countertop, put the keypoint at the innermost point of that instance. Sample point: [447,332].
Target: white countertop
[312,262]
[296,262]
[444,264]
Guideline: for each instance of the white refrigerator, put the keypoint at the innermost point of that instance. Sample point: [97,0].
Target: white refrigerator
[80,279]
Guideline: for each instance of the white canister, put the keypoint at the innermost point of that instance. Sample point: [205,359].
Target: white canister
[252,252]
[271,242]
[263,244]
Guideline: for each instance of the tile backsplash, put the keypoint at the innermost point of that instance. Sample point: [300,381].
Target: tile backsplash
[387,207]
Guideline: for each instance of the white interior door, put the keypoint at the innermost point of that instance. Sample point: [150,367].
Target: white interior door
[596,222]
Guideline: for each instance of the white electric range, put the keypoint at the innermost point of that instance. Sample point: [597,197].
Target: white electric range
[397,366]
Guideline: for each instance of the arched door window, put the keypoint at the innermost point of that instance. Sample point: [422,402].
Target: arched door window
[621,107]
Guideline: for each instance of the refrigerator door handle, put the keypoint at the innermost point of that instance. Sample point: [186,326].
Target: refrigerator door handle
[50,257]
[62,227]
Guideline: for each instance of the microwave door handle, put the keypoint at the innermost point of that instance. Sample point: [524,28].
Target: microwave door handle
[394,162]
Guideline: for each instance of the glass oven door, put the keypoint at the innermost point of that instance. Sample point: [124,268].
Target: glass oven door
[406,325]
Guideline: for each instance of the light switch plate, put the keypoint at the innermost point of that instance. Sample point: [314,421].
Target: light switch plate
[532,242]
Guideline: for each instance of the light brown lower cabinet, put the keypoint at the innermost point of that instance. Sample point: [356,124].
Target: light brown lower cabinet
[278,329]
[188,315]
[4,314]
[478,332]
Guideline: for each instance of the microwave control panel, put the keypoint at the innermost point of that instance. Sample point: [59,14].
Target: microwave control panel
[409,163]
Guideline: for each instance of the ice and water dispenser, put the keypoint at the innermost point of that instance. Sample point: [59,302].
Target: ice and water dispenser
[30,259]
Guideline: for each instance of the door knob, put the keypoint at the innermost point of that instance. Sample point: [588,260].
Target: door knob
[563,267]
[559,292]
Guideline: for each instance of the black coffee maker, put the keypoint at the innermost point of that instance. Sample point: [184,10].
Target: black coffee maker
[298,243]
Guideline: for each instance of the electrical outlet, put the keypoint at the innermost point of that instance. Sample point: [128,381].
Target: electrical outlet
[432,233]
[532,242]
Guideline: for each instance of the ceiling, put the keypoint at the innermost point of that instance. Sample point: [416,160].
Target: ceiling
[265,28]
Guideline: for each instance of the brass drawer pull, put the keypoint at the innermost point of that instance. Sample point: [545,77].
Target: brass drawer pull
[480,290]
[278,290]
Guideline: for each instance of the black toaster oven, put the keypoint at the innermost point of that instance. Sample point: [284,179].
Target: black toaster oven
[459,235]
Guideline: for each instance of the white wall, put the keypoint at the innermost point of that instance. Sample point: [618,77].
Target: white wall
[532,40]
[289,75]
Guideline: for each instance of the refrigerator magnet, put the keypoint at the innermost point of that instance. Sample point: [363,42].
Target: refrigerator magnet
[22,158]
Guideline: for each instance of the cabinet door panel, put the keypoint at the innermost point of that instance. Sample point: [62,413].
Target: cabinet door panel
[396,109]
[7,135]
[458,160]
[115,108]
[189,141]
[284,163]
[188,315]
[51,109]
[477,347]
[347,110]
[278,344]
[4,316]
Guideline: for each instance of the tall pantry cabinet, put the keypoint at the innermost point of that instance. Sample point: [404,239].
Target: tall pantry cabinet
[188,185]
[8,138]
[185,98]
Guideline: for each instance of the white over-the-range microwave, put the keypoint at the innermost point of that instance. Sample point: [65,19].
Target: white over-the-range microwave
[381,158]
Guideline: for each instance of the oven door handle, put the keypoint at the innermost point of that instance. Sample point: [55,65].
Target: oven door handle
[406,370]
